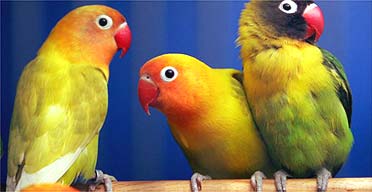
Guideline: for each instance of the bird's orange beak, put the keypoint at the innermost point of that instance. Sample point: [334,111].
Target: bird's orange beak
[123,38]
[147,92]
[315,22]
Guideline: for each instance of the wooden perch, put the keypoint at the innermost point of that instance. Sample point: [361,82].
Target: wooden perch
[303,185]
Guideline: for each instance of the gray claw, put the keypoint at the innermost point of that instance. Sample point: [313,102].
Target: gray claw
[256,180]
[280,180]
[322,179]
[103,178]
[196,180]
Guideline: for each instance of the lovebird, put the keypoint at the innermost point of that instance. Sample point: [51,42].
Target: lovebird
[61,99]
[299,94]
[208,115]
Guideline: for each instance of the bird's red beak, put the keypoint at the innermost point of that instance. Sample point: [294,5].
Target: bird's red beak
[123,37]
[315,22]
[147,92]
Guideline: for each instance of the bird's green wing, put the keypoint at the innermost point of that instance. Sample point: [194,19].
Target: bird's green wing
[57,112]
[338,74]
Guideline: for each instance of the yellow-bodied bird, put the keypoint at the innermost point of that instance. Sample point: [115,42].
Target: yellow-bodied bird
[208,115]
[61,100]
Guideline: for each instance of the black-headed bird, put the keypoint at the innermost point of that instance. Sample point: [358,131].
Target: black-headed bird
[298,92]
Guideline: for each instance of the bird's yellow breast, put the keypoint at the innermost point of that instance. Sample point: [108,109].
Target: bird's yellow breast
[223,142]
[294,67]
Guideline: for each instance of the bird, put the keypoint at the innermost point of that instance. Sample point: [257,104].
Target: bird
[208,115]
[299,94]
[61,99]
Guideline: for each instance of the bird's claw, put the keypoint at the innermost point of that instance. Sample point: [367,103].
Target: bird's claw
[280,180]
[322,179]
[256,180]
[102,178]
[196,180]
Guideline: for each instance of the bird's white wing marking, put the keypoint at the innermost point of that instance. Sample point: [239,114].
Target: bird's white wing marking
[49,174]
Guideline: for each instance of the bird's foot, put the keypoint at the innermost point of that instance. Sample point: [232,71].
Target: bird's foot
[322,179]
[102,178]
[256,180]
[280,180]
[196,180]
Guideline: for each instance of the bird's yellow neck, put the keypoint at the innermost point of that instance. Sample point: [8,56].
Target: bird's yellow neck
[67,49]
[271,63]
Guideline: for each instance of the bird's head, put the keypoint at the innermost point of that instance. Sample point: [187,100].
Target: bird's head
[297,19]
[89,34]
[172,83]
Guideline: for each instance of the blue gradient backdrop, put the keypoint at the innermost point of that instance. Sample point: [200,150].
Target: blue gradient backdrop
[136,147]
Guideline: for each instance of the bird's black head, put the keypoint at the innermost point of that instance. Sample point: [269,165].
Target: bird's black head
[302,20]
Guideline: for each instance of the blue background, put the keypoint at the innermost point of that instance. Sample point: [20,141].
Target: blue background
[136,147]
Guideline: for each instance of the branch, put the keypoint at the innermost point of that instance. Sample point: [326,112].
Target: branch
[303,185]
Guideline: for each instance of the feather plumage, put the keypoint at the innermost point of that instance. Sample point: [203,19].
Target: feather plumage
[61,100]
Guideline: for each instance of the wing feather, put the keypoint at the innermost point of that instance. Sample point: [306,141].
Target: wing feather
[343,88]
[57,112]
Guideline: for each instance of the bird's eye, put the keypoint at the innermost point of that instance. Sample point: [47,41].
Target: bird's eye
[104,22]
[168,74]
[288,6]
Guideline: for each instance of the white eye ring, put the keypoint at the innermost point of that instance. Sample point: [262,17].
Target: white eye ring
[291,6]
[104,22]
[168,74]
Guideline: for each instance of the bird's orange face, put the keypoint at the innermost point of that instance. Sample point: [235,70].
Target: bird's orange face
[172,83]
[92,34]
